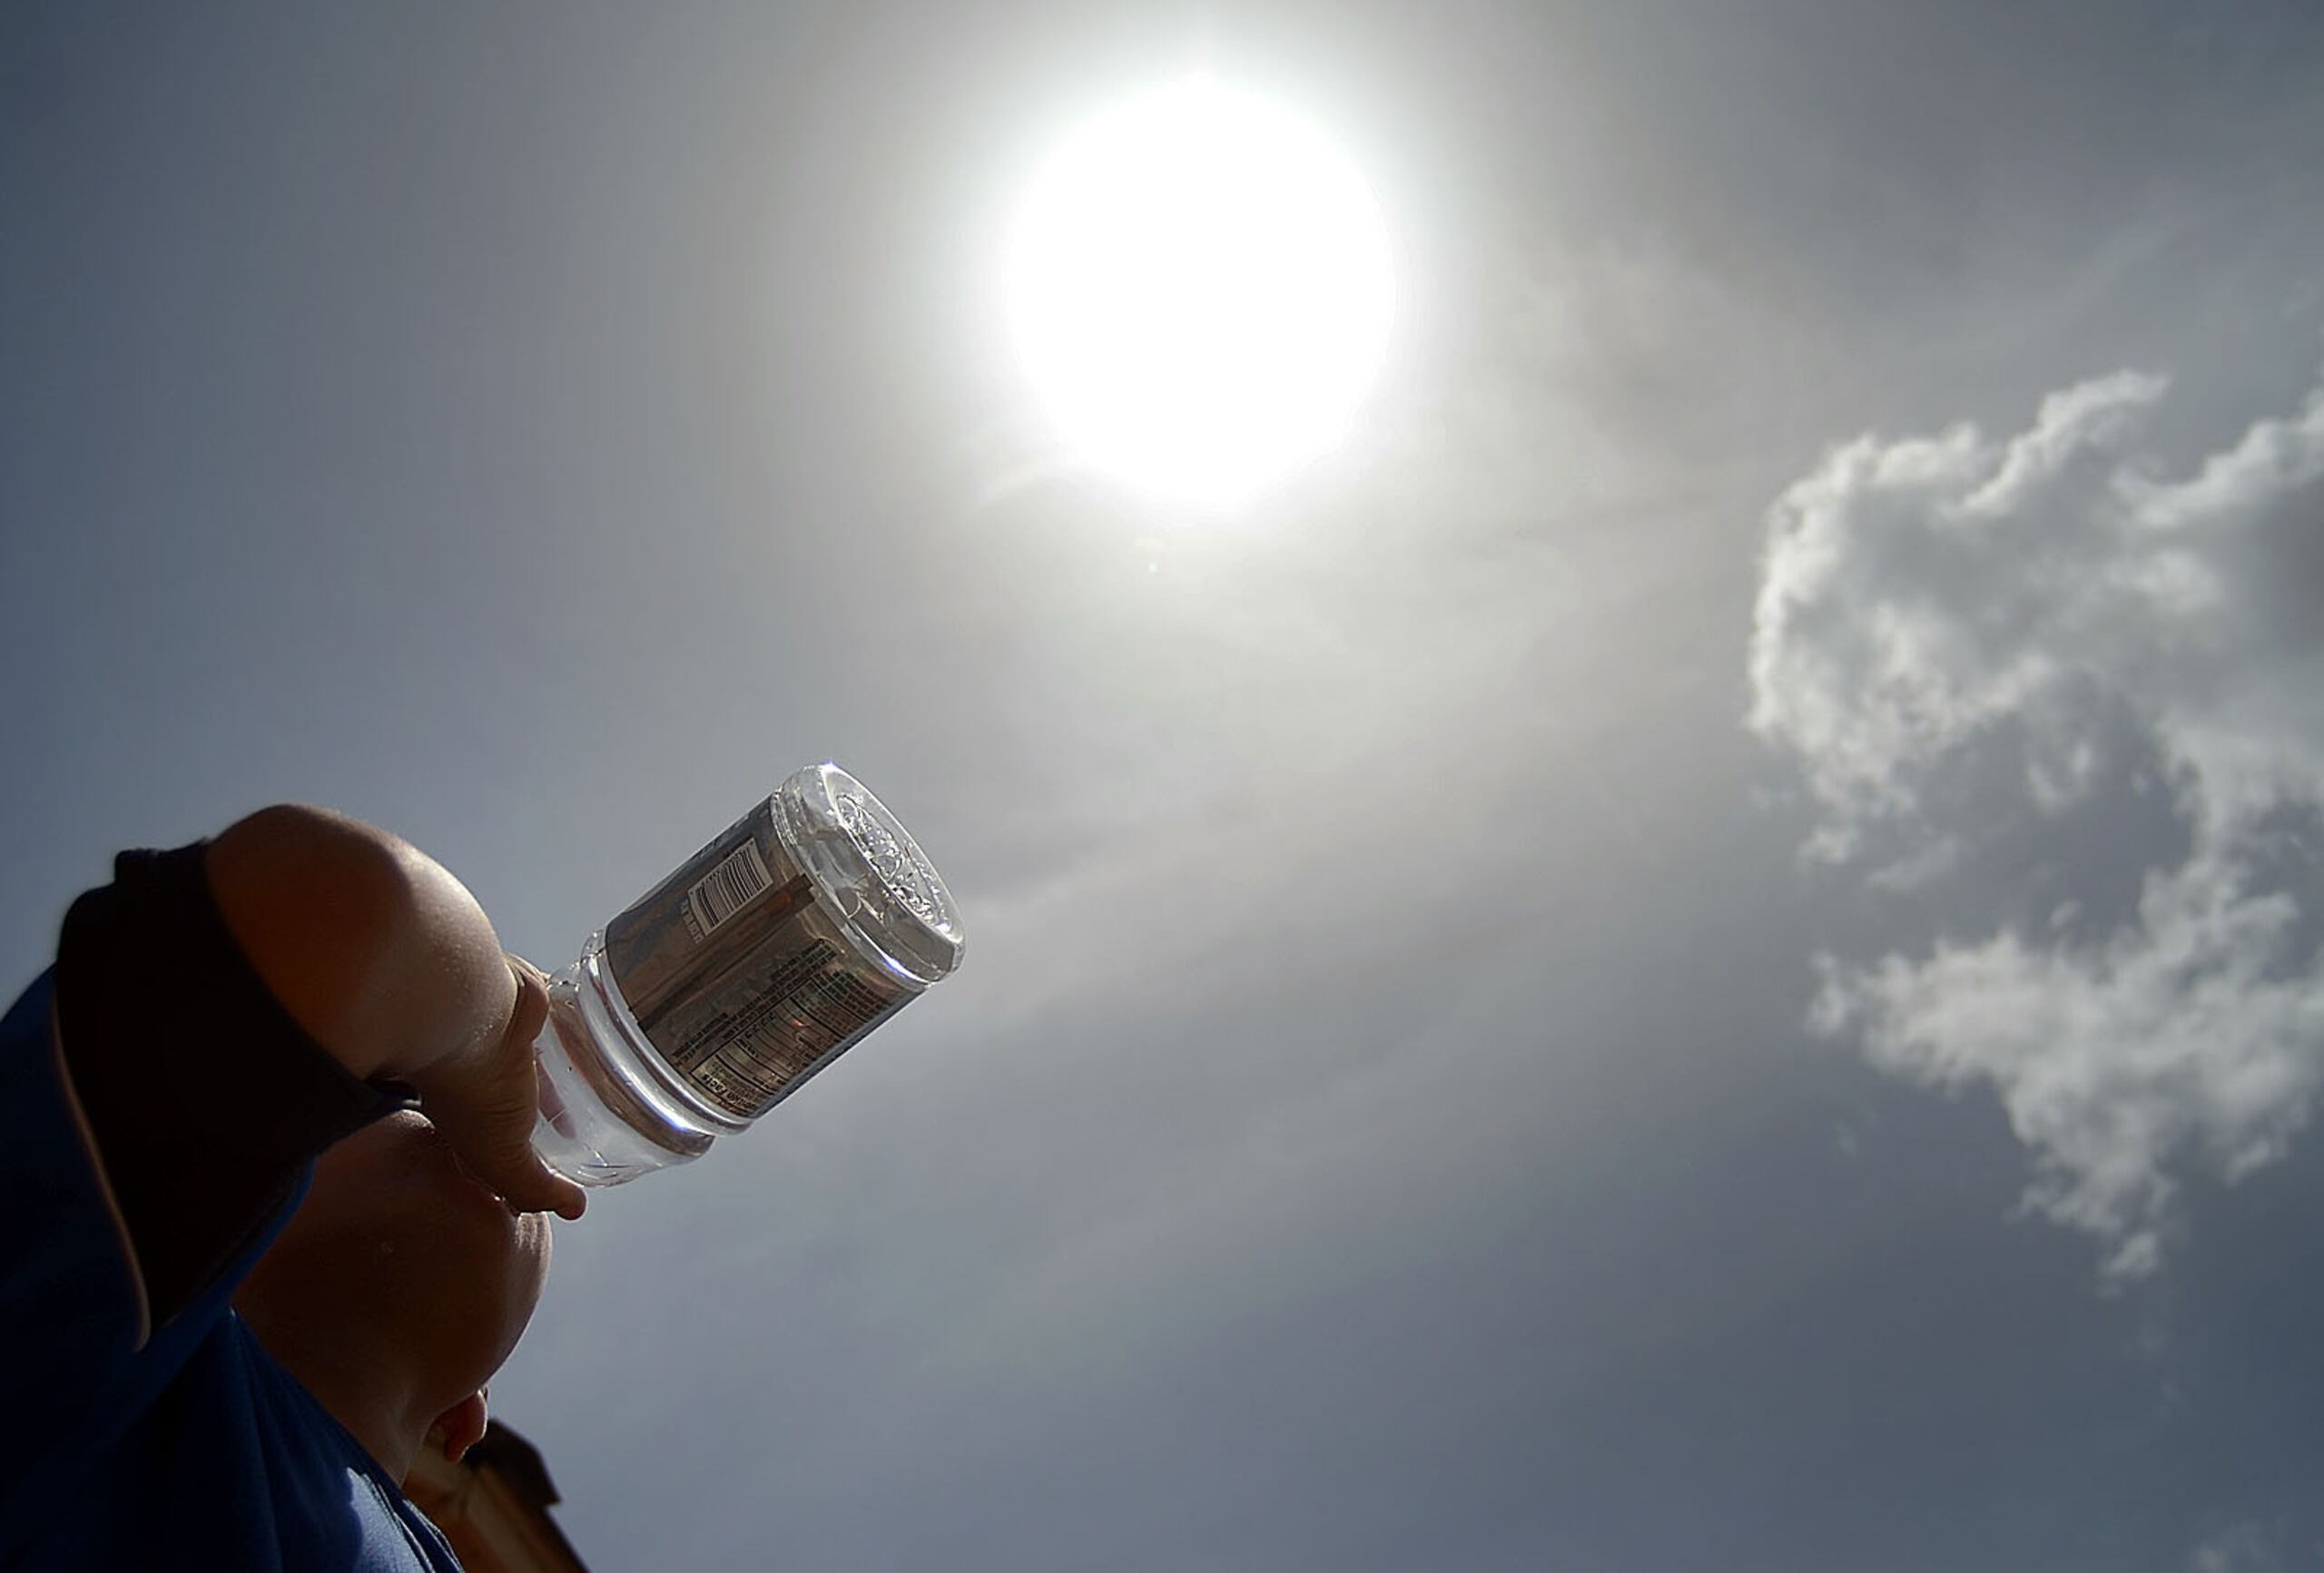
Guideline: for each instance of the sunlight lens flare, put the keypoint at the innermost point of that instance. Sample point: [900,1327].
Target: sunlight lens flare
[1198,283]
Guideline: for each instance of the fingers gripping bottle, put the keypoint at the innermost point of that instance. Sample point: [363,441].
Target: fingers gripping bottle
[711,998]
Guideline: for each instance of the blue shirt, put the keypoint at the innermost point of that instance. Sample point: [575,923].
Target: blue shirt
[180,1443]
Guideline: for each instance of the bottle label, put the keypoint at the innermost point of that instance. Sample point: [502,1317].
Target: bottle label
[738,976]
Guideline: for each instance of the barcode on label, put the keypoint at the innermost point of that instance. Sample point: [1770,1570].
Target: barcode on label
[727,889]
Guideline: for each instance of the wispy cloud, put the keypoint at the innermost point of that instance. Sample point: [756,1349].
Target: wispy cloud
[2246,1547]
[1968,642]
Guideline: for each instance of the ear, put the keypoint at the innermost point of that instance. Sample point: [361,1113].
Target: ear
[461,1426]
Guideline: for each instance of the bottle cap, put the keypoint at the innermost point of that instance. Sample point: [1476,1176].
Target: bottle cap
[869,873]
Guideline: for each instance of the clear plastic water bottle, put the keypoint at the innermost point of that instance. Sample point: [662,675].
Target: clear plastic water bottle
[713,996]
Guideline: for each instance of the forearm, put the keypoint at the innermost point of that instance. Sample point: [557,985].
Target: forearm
[375,949]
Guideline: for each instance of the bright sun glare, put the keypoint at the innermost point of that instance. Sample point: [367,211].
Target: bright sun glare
[1199,286]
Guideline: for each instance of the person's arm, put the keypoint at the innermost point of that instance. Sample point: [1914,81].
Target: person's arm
[225,1011]
[216,1016]
[389,963]
[375,949]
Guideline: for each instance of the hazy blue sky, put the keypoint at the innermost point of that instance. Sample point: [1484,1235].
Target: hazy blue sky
[1700,953]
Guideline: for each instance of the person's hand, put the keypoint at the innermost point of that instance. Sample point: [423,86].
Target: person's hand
[487,1098]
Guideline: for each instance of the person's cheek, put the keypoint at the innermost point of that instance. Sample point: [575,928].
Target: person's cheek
[535,1244]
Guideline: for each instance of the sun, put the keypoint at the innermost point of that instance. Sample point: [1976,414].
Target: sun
[1199,286]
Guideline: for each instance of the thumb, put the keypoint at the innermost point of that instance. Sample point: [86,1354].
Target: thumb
[487,1103]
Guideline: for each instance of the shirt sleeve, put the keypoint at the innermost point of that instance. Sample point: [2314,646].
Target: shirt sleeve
[203,1099]
[159,1116]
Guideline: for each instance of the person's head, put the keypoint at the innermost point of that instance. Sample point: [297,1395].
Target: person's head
[398,1289]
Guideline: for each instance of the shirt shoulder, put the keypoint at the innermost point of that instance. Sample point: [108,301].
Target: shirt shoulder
[237,1465]
[71,1306]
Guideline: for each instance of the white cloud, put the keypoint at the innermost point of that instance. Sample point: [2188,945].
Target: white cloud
[2246,1547]
[2049,619]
